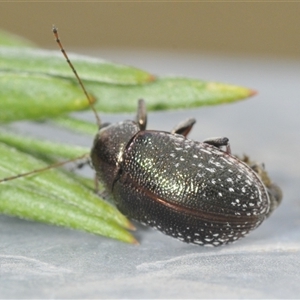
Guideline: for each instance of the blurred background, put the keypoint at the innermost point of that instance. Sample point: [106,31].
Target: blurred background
[266,29]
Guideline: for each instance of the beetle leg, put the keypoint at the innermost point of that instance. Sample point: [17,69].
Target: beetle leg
[141,117]
[219,142]
[184,127]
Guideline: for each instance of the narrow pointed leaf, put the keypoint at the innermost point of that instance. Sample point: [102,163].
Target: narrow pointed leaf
[38,84]
[76,124]
[53,63]
[31,205]
[42,148]
[50,152]
[166,93]
[24,96]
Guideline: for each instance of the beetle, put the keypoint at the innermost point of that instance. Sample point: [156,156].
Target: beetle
[197,192]
[193,191]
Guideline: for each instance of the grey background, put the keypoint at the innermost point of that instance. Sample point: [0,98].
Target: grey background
[40,261]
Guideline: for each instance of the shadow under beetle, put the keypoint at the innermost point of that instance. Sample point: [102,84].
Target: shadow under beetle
[197,192]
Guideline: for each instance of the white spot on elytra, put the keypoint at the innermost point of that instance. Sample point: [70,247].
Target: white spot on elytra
[227,161]
[203,150]
[198,242]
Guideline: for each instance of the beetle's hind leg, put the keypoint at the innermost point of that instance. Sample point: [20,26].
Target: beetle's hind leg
[219,142]
[184,127]
[141,117]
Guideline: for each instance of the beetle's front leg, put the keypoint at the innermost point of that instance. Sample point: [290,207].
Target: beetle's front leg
[141,117]
[184,127]
[219,142]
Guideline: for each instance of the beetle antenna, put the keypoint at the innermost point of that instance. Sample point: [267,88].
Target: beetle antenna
[55,32]
[55,165]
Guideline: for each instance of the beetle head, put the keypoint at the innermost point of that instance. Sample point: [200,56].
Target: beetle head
[108,148]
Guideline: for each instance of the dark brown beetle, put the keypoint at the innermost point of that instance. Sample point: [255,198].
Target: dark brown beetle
[193,191]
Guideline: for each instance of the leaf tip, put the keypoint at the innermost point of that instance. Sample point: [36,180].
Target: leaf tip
[131,227]
[252,92]
[135,242]
[130,239]
[152,78]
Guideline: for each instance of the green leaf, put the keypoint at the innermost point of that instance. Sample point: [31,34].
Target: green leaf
[36,84]
[166,93]
[50,152]
[53,63]
[41,148]
[12,40]
[31,89]
[35,96]
[55,198]
[76,125]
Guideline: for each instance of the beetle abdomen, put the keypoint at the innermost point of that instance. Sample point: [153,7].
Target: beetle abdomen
[189,190]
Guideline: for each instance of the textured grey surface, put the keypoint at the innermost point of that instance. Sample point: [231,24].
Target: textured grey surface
[41,261]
